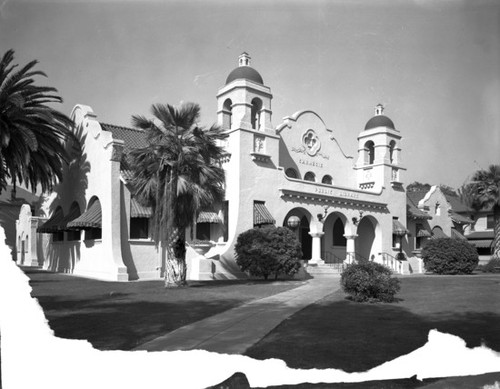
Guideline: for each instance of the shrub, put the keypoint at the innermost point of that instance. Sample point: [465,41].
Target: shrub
[369,281]
[449,256]
[268,250]
[493,266]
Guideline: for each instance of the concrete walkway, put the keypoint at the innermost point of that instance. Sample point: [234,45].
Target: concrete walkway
[235,330]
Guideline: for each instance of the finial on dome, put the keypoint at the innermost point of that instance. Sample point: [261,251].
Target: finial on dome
[379,109]
[244,59]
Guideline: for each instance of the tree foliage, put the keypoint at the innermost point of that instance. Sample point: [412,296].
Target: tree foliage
[483,193]
[418,187]
[369,281]
[32,133]
[178,173]
[268,250]
[449,256]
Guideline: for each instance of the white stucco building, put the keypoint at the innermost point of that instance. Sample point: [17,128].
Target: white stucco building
[342,207]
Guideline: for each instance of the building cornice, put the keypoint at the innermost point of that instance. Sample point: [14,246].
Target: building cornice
[333,200]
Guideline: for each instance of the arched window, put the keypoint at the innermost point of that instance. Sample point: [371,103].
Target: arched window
[369,152]
[392,145]
[256,108]
[327,179]
[292,173]
[310,176]
[228,113]
[338,234]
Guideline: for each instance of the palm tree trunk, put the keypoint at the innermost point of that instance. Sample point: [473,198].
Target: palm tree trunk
[175,264]
[495,246]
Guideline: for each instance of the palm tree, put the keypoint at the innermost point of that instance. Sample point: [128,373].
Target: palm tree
[177,174]
[32,134]
[483,191]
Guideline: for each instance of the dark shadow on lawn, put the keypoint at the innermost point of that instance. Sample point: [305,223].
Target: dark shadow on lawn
[355,337]
[123,325]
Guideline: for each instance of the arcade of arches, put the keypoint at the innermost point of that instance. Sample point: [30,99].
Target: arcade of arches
[337,238]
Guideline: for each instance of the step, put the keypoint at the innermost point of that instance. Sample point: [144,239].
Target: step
[324,269]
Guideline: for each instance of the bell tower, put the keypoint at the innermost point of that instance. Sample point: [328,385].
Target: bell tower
[244,102]
[379,154]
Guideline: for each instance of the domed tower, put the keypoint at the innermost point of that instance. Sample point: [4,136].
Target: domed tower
[251,145]
[379,153]
[244,101]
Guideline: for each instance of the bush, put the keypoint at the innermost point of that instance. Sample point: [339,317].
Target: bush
[449,256]
[268,250]
[493,266]
[369,281]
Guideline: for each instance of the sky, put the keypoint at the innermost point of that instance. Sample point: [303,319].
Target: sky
[434,65]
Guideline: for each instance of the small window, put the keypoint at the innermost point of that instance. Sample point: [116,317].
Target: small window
[310,176]
[292,173]
[327,180]
[74,235]
[93,233]
[392,145]
[369,153]
[203,231]
[225,212]
[228,114]
[139,228]
[58,236]
[490,222]
[256,109]
[395,241]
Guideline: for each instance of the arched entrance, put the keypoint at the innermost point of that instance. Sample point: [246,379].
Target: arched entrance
[368,242]
[334,241]
[302,230]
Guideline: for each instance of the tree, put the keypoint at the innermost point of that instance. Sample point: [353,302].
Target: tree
[449,256]
[32,134]
[418,187]
[177,174]
[262,251]
[483,192]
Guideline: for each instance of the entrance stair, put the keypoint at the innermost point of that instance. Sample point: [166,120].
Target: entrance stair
[324,269]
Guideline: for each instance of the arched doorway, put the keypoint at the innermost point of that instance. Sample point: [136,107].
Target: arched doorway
[369,240]
[334,242]
[302,230]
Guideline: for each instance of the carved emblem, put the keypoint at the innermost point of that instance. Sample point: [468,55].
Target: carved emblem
[311,142]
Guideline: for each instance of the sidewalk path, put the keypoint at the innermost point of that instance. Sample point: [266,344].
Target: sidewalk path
[235,330]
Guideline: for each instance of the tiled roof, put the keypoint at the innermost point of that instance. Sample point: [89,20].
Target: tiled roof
[91,218]
[134,139]
[437,233]
[52,225]
[481,235]
[261,215]
[398,228]
[412,199]
[457,235]
[139,210]
[22,196]
[456,203]
[460,218]
[209,217]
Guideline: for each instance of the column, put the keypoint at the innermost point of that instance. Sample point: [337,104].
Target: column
[316,231]
[350,248]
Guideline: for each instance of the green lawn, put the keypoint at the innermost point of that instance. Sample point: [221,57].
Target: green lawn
[338,333]
[123,315]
